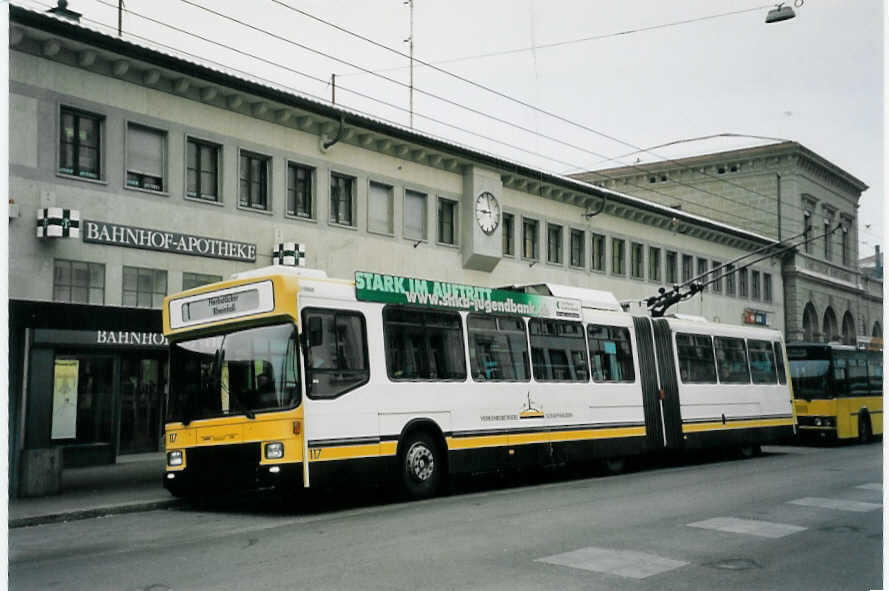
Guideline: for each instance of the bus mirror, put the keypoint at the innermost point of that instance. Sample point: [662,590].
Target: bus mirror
[316,332]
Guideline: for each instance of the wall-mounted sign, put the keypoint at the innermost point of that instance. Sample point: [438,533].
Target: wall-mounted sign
[756,317]
[55,222]
[124,338]
[148,239]
[223,304]
[392,289]
[291,254]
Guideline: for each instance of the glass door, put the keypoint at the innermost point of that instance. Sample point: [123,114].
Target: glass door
[143,380]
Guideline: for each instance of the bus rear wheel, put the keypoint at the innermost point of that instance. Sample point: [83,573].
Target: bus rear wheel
[421,466]
[864,429]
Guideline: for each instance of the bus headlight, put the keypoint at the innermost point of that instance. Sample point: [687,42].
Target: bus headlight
[174,458]
[274,451]
[817,421]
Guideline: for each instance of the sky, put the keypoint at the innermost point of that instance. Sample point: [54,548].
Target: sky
[607,78]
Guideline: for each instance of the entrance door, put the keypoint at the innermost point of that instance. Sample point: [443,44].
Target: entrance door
[143,380]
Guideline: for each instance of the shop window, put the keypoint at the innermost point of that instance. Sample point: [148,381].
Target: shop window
[597,247]
[611,353]
[578,255]
[144,288]
[379,208]
[336,357]
[342,199]
[423,345]
[498,348]
[618,256]
[696,363]
[414,215]
[299,191]
[447,221]
[558,351]
[254,181]
[508,235]
[192,280]
[142,384]
[82,397]
[77,282]
[762,362]
[529,239]
[202,170]
[554,244]
[80,143]
[654,263]
[731,360]
[146,158]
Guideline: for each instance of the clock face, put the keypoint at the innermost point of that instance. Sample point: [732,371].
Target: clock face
[487,212]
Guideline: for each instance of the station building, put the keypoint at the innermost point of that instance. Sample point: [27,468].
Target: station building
[778,190]
[135,174]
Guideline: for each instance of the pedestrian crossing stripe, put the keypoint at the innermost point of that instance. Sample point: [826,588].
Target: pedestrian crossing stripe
[753,527]
[623,563]
[838,504]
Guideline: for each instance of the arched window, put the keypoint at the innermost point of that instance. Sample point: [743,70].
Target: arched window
[829,329]
[810,323]
[848,329]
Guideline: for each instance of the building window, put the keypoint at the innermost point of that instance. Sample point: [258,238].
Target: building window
[716,286]
[702,271]
[192,280]
[554,243]
[578,245]
[447,221]
[754,285]
[508,235]
[414,215]
[76,282]
[202,170]
[730,280]
[637,257]
[807,230]
[828,246]
[254,181]
[379,208]
[742,283]
[670,268]
[598,251]
[299,191]
[654,263]
[766,287]
[529,239]
[144,288]
[844,247]
[341,197]
[618,256]
[146,157]
[80,144]
[688,271]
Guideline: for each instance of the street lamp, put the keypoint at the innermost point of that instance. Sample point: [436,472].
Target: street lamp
[780,13]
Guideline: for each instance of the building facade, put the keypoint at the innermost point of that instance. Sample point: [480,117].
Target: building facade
[136,174]
[778,190]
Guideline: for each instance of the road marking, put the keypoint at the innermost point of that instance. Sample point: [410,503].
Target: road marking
[764,529]
[623,563]
[838,504]
[871,486]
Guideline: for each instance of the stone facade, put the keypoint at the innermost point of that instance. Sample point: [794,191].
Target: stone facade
[778,190]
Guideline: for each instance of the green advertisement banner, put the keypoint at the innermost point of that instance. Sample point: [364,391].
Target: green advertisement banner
[393,289]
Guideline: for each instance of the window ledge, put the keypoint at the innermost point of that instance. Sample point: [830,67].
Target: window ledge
[204,201]
[254,210]
[148,191]
[299,218]
[381,233]
[447,245]
[341,226]
[74,177]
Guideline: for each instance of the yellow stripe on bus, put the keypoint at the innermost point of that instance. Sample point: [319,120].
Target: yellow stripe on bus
[743,424]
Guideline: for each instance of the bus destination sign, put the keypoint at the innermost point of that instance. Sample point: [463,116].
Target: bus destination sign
[393,289]
[254,298]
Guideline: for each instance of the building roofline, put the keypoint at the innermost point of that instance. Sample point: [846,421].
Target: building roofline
[80,34]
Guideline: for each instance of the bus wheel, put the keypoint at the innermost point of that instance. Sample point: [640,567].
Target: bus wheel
[750,451]
[421,466]
[614,465]
[864,430]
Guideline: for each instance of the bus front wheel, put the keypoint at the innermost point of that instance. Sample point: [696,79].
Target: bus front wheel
[864,429]
[421,466]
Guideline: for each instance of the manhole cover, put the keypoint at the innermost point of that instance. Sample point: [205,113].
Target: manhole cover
[734,564]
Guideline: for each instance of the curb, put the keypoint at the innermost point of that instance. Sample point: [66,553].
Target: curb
[78,514]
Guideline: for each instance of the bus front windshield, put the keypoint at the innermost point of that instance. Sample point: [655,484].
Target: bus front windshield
[810,378]
[237,373]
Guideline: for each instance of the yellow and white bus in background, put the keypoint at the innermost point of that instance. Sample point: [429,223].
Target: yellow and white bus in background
[283,376]
[838,391]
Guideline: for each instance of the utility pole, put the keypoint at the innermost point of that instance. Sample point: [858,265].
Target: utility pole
[410,40]
[333,89]
[120,18]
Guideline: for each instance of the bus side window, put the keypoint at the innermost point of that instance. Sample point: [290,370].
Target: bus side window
[558,351]
[762,362]
[498,348]
[875,372]
[696,362]
[779,360]
[611,353]
[336,352]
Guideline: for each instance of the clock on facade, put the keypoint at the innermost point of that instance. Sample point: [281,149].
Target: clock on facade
[487,212]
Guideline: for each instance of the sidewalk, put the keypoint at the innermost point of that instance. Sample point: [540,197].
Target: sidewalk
[133,484]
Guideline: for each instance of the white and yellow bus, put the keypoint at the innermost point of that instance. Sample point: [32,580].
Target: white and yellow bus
[283,376]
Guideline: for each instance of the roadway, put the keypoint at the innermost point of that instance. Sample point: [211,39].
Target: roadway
[794,518]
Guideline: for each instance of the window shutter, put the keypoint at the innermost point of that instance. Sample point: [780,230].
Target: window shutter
[145,151]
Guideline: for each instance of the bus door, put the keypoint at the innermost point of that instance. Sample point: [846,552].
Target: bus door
[669,391]
[650,380]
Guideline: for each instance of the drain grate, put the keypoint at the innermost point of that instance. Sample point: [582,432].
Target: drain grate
[734,564]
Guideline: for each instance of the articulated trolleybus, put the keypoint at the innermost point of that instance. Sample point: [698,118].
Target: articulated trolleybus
[282,376]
